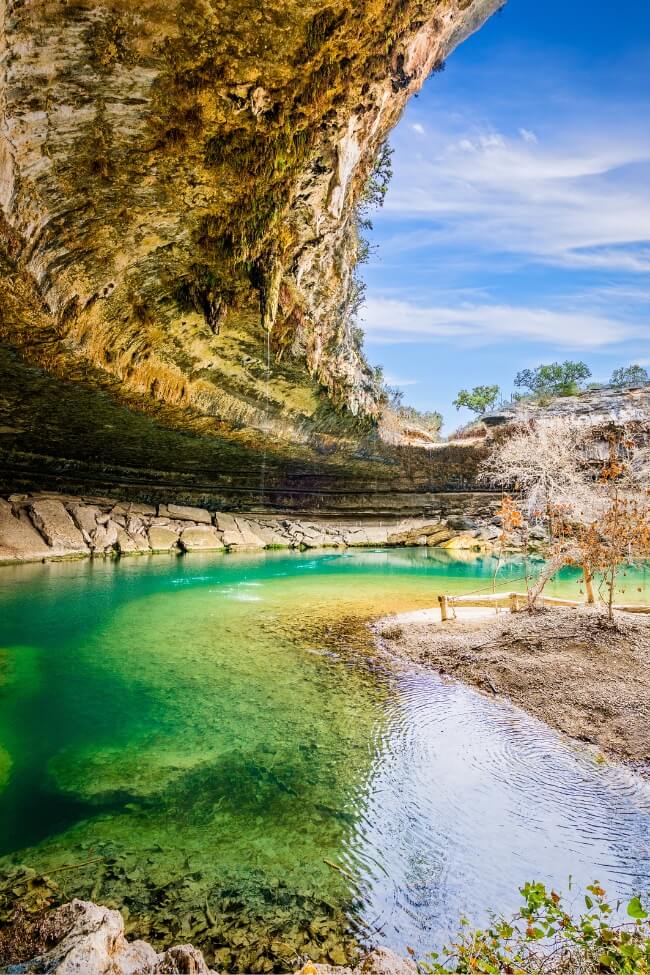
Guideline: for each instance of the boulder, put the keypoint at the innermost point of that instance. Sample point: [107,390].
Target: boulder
[19,540]
[317,541]
[85,515]
[461,523]
[162,539]
[225,522]
[462,543]
[242,540]
[129,544]
[55,524]
[181,512]
[201,538]
[440,536]
[355,537]
[105,537]
[250,538]
[140,508]
[91,941]
[88,939]
[270,535]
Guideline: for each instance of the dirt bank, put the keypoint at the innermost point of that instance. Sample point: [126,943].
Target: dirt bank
[571,668]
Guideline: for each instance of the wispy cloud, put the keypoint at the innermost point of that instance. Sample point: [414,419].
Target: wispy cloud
[392,320]
[570,199]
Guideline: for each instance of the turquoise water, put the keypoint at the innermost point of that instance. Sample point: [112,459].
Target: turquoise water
[215,734]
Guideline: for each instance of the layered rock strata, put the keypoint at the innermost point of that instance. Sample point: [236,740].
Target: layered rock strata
[179,193]
[42,527]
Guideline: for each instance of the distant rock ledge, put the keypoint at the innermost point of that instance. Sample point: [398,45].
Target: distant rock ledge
[82,938]
[43,527]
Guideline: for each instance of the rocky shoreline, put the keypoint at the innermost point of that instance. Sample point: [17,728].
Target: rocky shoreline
[46,526]
[83,937]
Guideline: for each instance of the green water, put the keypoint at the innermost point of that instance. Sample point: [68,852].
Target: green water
[209,732]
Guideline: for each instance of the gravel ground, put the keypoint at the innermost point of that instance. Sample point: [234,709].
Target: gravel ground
[569,667]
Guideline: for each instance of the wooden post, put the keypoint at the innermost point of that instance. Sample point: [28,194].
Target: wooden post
[443,608]
[514,602]
[589,588]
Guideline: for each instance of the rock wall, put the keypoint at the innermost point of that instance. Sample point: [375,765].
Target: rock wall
[178,185]
[41,527]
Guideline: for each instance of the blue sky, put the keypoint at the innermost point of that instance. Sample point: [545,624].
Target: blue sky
[516,229]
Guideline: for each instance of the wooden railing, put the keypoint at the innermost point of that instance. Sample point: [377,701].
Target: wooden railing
[516,601]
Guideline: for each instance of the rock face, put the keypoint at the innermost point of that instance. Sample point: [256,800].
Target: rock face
[178,185]
[595,407]
[91,941]
[37,528]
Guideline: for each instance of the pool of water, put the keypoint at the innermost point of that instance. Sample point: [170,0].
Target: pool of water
[216,736]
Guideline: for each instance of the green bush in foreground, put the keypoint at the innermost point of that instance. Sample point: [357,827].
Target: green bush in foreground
[544,938]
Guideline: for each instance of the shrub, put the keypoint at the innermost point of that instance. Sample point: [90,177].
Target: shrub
[544,938]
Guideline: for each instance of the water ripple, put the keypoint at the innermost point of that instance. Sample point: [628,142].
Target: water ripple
[470,798]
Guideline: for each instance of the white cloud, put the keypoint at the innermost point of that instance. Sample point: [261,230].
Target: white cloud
[579,199]
[418,128]
[392,320]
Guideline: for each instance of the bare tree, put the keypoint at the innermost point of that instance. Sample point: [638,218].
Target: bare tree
[597,520]
[543,462]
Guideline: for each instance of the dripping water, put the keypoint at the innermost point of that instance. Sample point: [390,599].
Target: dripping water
[267,375]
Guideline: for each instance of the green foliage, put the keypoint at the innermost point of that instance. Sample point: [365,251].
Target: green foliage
[633,375]
[544,938]
[554,379]
[479,400]
[376,188]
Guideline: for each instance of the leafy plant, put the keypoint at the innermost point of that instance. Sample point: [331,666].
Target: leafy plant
[554,379]
[633,375]
[545,938]
[478,400]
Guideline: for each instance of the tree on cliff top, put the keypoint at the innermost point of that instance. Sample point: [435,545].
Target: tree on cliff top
[554,379]
[479,400]
[629,376]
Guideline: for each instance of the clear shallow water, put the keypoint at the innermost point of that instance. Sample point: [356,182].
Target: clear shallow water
[215,729]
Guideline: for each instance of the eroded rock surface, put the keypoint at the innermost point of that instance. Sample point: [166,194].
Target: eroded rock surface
[178,186]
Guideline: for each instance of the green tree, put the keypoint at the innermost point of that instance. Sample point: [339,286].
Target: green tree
[479,400]
[554,379]
[629,376]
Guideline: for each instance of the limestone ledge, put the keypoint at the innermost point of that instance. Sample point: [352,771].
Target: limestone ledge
[90,939]
[40,527]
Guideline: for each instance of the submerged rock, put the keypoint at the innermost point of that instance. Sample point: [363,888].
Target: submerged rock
[83,938]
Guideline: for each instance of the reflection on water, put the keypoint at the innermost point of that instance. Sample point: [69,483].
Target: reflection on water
[216,730]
